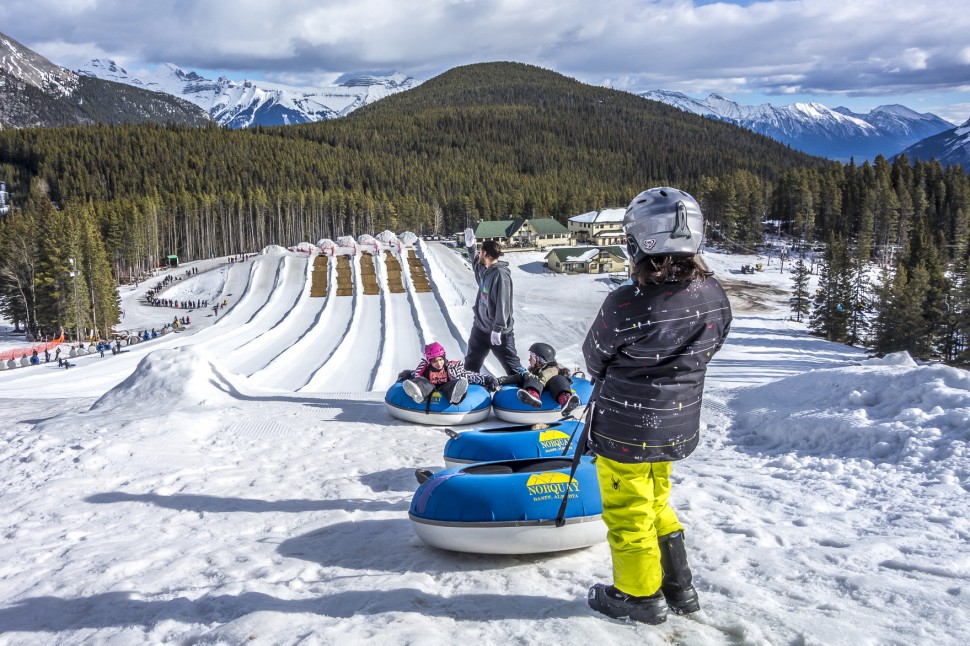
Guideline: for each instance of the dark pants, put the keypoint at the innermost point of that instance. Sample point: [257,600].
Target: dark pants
[480,344]
[555,386]
[445,389]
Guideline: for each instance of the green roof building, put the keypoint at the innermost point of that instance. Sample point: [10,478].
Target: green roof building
[520,233]
[587,260]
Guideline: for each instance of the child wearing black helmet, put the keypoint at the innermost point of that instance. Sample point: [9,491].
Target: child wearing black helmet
[544,373]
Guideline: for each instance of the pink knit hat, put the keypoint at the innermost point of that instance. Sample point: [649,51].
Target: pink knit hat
[433,350]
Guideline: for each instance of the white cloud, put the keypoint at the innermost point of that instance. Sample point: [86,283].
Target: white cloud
[779,46]
[915,59]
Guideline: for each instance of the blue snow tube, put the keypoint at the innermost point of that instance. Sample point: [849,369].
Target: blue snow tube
[438,411]
[513,442]
[508,407]
[509,507]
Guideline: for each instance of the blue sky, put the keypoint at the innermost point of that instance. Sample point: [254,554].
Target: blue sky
[855,53]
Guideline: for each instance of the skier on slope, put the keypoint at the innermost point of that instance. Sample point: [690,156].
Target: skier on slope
[647,350]
[492,328]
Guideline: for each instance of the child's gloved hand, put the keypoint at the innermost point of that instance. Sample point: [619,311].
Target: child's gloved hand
[491,383]
[496,338]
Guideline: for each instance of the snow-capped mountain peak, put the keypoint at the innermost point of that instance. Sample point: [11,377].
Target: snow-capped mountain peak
[815,128]
[33,69]
[241,104]
[950,147]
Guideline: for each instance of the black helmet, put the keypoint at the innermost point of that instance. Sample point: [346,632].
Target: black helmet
[663,221]
[544,352]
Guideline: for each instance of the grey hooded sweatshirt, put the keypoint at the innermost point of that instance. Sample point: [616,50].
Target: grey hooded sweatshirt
[493,305]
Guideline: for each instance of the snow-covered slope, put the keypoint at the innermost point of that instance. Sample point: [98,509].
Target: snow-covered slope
[249,103]
[950,147]
[816,129]
[162,496]
[35,92]
[32,68]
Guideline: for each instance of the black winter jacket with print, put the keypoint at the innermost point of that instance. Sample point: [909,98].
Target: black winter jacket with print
[649,346]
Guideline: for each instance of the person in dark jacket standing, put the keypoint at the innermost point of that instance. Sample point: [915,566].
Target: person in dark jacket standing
[648,350]
[492,329]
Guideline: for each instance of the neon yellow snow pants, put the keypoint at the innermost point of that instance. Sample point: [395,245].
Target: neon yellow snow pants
[636,512]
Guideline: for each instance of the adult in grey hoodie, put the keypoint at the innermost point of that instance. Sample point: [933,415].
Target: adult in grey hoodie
[492,329]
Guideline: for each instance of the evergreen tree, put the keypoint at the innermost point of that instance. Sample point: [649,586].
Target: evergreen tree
[800,300]
[832,302]
[100,284]
[19,253]
[860,301]
[62,300]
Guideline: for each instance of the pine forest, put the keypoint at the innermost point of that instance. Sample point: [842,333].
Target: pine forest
[100,205]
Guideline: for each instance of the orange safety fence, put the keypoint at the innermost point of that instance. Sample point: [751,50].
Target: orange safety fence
[6,355]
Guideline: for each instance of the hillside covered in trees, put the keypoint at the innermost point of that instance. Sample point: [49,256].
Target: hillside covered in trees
[485,141]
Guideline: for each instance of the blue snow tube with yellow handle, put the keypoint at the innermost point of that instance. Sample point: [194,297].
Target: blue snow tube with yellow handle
[517,442]
[510,507]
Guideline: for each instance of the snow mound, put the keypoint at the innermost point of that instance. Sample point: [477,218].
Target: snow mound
[183,377]
[894,359]
[408,238]
[274,250]
[347,241]
[893,412]
[387,237]
[366,239]
[303,247]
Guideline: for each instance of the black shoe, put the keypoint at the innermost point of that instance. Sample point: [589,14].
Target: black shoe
[529,399]
[422,475]
[571,403]
[611,602]
[680,601]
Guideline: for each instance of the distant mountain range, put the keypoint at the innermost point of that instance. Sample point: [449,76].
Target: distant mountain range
[250,103]
[950,147]
[816,129]
[36,92]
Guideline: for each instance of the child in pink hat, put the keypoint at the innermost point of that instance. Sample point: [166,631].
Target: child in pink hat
[449,378]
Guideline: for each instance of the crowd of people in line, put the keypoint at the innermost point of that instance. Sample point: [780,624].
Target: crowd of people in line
[171,302]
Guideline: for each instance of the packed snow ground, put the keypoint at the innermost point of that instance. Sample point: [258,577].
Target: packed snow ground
[241,482]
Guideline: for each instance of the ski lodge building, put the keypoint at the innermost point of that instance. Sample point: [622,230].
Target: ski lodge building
[599,228]
[519,233]
[587,260]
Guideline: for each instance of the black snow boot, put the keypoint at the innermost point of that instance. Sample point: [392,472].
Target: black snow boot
[611,602]
[423,475]
[676,584]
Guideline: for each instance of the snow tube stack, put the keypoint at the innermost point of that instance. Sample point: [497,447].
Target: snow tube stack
[541,440]
[509,507]
[438,411]
[509,408]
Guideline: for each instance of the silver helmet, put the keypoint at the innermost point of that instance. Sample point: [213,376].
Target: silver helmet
[663,221]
